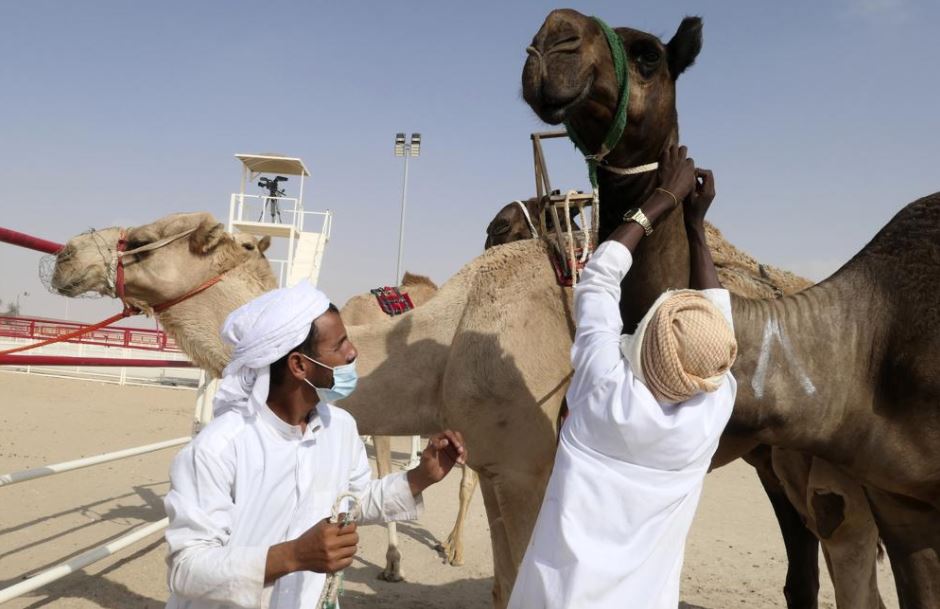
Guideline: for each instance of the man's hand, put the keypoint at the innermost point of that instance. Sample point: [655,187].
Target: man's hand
[696,206]
[677,172]
[444,450]
[326,547]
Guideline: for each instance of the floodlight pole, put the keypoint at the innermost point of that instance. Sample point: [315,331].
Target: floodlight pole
[406,149]
[401,225]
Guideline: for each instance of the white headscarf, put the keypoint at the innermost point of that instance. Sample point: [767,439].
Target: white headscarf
[261,332]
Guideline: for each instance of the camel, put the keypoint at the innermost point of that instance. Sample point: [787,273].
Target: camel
[449,362]
[880,402]
[489,356]
[360,310]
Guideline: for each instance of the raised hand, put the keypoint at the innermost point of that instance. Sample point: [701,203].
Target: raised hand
[444,450]
[696,206]
[677,172]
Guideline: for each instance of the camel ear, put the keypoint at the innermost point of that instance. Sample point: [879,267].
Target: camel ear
[206,237]
[264,244]
[684,46]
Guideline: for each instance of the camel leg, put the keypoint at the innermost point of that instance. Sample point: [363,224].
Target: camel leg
[453,547]
[383,462]
[843,520]
[801,589]
[911,533]
[504,569]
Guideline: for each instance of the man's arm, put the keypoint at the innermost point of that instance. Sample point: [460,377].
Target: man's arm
[702,273]
[677,179]
[596,349]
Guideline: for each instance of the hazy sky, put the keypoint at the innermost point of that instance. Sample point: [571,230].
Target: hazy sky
[819,118]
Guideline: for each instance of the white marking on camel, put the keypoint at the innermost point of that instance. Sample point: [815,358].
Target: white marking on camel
[772,331]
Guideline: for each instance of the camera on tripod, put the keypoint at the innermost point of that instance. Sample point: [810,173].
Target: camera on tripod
[272,185]
[270,202]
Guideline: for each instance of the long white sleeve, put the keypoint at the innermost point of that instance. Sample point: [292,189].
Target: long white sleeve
[387,499]
[201,562]
[596,349]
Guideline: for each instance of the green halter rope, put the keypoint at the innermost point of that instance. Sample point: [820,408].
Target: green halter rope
[615,132]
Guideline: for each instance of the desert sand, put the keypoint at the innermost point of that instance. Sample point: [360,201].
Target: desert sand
[734,558]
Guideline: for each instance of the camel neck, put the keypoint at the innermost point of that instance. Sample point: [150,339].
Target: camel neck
[661,261]
[802,360]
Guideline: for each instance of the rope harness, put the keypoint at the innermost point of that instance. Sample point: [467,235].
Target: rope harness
[116,288]
[571,248]
[528,218]
[329,597]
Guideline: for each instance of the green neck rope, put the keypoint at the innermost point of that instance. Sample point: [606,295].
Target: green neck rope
[615,132]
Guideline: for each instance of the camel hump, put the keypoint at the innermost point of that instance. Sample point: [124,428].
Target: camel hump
[747,276]
[410,279]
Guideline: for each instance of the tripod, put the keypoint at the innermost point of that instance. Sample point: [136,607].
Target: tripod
[270,201]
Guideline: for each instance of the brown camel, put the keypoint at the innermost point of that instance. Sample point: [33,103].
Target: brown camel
[843,376]
[363,309]
[833,508]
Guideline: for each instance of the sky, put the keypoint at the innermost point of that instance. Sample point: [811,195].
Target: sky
[819,119]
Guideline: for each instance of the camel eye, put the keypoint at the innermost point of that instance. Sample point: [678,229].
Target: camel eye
[647,56]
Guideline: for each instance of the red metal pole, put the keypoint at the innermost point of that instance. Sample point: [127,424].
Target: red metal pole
[62,360]
[23,240]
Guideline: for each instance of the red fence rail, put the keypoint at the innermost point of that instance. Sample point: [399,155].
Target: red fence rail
[13,237]
[65,360]
[34,328]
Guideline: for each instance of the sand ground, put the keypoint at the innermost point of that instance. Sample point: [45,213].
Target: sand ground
[735,556]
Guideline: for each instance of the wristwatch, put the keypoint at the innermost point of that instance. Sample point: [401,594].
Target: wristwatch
[636,215]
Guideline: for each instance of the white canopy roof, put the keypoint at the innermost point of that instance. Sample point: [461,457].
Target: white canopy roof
[271,163]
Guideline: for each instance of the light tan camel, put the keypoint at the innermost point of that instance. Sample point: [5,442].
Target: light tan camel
[569,77]
[462,365]
[363,309]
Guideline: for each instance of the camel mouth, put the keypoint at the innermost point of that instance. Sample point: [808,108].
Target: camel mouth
[556,112]
[65,282]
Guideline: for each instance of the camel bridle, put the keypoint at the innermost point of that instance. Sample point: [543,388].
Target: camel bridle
[597,160]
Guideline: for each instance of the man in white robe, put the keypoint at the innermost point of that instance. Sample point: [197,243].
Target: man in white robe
[631,461]
[251,495]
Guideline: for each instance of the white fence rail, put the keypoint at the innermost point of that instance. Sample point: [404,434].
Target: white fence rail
[67,466]
[80,562]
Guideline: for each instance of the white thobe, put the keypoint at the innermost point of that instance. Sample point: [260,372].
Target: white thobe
[248,482]
[628,472]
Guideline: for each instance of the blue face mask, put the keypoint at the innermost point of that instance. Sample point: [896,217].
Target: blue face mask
[344,381]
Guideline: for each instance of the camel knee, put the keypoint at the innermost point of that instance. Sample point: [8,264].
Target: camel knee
[828,512]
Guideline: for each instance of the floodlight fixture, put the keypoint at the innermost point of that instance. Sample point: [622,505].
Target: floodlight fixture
[399,144]
[415,148]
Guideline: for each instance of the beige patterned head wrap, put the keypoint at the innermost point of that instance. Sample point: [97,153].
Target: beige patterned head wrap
[682,347]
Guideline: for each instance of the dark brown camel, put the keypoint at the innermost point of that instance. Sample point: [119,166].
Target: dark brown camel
[844,382]
[520,220]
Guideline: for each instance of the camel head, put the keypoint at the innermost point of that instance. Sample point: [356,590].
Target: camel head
[155,276]
[569,76]
[510,223]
